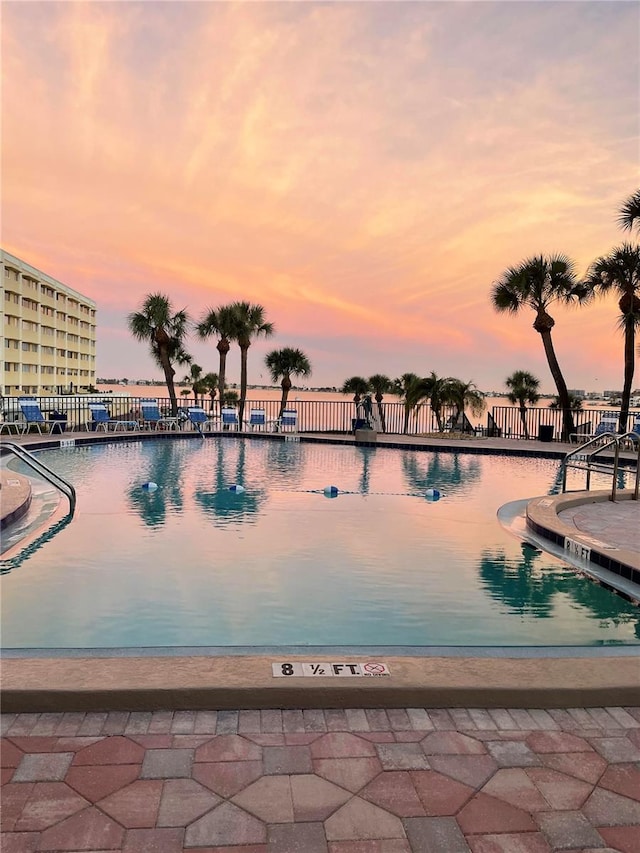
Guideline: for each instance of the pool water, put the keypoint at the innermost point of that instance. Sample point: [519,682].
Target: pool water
[196,564]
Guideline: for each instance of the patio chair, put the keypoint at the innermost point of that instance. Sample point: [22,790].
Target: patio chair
[288,421]
[229,418]
[100,419]
[199,418]
[33,416]
[608,423]
[257,419]
[153,419]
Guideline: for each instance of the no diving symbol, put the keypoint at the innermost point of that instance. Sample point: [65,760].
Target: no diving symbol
[375,669]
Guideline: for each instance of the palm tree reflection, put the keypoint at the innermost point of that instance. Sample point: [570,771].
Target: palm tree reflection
[447,471]
[219,502]
[165,469]
[532,590]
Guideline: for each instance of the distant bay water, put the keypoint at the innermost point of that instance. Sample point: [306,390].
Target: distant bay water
[267,394]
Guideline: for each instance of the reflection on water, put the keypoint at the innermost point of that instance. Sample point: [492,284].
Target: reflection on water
[194,563]
[218,501]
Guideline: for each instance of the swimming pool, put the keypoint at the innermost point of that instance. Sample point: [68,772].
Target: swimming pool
[196,564]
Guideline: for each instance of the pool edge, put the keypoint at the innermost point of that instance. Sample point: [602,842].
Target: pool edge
[196,683]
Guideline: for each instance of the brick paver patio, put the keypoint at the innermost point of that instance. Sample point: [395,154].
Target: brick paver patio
[313,781]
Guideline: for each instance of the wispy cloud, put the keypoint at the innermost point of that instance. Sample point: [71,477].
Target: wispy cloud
[365,171]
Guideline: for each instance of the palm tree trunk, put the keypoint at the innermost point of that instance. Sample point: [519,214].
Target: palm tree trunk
[561,385]
[221,374]
[169,373]
[286,387]
[243,381]
[383,422]
[523,418]
[629,352]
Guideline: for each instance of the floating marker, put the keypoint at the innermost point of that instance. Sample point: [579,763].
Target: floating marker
[331,491]
[432,495]
[150,487]
[236,488]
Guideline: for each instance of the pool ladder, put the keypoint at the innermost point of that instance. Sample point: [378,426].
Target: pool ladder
[40,468]
[582,458]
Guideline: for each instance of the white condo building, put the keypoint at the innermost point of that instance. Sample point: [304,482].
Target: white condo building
[48,333]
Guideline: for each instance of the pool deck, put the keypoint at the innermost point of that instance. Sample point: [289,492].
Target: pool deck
[406,780]
[449,753]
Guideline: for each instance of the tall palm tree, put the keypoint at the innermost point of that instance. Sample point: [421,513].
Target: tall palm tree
[380,385]
[536,283]
[523,388]
[283,364]
[222,323]
[165,332]
[249,323]
[629,215]
[619,272]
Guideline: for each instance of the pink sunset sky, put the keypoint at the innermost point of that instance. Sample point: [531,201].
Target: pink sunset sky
[364,170]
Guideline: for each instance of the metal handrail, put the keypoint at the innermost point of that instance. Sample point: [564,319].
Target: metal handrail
[40,468]
[585,461]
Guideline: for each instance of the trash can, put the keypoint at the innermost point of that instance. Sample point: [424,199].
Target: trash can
[358,423]
[61,422]
[545,432]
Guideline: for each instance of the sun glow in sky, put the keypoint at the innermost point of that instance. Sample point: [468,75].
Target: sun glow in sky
[364,170]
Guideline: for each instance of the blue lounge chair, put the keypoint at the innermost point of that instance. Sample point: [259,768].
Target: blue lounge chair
[608,423]
[33,416]
[100,417]
[229,418]
[288,421]
[199,418]
[257,419]
[152,419]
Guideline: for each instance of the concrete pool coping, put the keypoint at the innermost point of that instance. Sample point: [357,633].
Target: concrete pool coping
[229,682]
[464,678]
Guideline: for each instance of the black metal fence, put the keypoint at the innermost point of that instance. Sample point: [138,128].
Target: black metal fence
[329,416]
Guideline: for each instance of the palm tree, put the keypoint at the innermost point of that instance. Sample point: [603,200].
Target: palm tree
[193,377]
[523,388]
[209,383]
[409,387]
[356,385]
[249,323]
[283,364]
[536,283]
[436,389]
[630,213]
[165,332]
[619,272]
[462,395]
[221,322]
[574,401]
[380,385]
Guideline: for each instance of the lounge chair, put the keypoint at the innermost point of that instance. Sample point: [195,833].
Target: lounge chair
[257,419]
[608,423]
[152,419]
[199,418]
[288,421]
[33,416]
[100,419]
[229,418]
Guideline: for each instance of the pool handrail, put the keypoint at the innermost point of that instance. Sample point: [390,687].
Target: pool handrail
[40,468]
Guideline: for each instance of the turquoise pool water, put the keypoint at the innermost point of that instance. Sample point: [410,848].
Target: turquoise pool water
[195,564]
